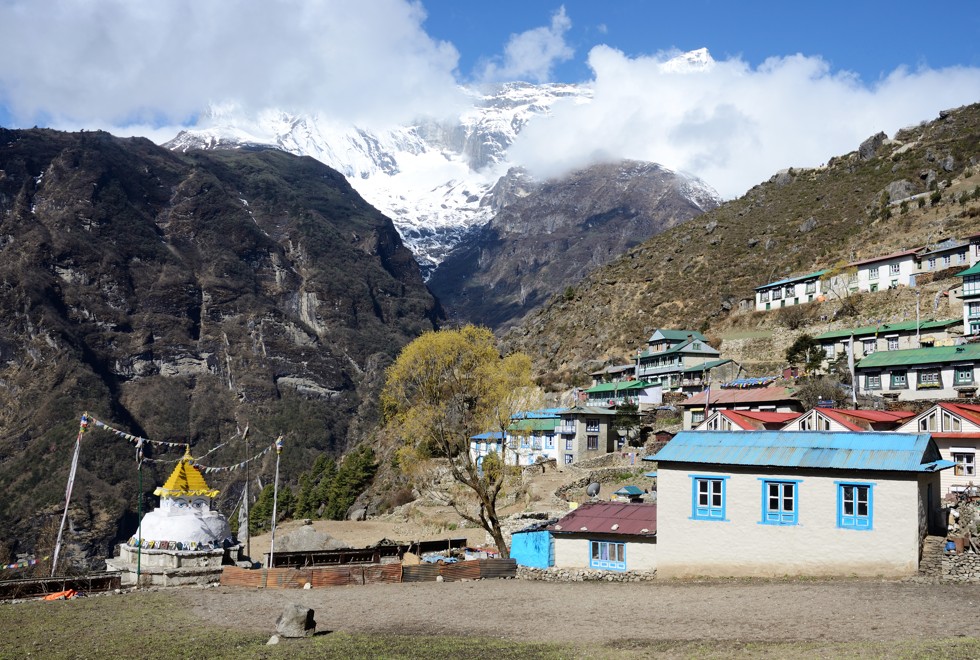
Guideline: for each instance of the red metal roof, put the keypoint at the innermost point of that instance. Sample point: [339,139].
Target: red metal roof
[601,517]
[745,418]
[758,395]
[847,417]
[975,435]
[968,410]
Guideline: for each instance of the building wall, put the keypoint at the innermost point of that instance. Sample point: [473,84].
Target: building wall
[912,392]
[958,478]
[741,546]
[792,294]
[573,551]
[534,549]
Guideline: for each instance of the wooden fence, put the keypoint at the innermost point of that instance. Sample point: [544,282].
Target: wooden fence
[29,587]
[356,574]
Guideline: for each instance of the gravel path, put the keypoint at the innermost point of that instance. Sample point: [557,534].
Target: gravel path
[826,611]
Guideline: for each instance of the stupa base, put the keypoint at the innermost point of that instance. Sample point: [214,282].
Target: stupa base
[171,568]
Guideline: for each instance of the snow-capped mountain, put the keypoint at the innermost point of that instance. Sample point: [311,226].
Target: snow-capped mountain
[436,178]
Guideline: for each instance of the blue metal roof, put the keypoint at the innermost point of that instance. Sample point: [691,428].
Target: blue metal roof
[490,435]
[852,450]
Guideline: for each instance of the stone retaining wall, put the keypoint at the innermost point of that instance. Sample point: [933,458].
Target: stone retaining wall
[582,575]
[961,568]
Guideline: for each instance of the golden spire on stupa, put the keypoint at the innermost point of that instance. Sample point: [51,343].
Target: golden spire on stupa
[185,481]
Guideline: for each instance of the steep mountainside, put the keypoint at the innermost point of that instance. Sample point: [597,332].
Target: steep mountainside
[697,274]
[555,232]
[180,296]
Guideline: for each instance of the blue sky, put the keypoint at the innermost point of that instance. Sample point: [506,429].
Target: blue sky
[787,83]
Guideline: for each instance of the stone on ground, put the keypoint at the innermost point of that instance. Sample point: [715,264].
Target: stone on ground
[296,621]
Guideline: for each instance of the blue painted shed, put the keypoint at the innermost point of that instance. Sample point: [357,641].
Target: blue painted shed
[533,547]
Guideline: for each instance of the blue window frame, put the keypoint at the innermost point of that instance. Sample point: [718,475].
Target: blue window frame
[855,505]
[607,555]
[780,501]
[707,497]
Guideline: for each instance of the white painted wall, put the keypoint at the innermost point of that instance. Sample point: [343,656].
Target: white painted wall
[741,546]
[572,552]
[912,392]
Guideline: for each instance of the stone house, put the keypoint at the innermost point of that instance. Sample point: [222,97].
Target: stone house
[585,432]
[897,336]
[771,503]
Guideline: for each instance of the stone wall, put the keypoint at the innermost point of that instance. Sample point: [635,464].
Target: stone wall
[582,575]
[961,568]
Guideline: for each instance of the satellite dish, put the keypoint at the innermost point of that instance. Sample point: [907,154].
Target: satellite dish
[592,489]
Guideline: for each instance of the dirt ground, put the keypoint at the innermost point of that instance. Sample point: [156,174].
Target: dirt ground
[743,611]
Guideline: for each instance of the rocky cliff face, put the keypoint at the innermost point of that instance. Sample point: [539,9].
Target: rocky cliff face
[547,236]
[179,296]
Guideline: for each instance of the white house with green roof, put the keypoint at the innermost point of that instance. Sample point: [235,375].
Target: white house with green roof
[531,437]
[638,392]
[675,356]
[940,372]
[971,299]
[887,337]
[789,291]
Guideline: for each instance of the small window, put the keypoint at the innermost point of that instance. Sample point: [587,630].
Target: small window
[962,257]
[789,291]
[779,502]
[854,506]
[932,263]
[549,441]
[946,261]
[873,273]
[592,442]
[894,269]
[930,379]
[870,346]
[811,287]
[872,382]
[830,350]
[592,425]
[963,375]
[951,423]
[966,465]
[708,498]
[569,444]
[893,343]
[568,459]
[928,423]
[777,294]
[606,555]
[899,380]
[763,296]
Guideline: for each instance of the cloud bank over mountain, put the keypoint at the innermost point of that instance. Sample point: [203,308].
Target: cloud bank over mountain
[153,68]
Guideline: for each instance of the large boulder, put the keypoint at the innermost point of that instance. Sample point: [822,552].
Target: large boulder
[307,538]
[900,189]
[296,621]
[869,148]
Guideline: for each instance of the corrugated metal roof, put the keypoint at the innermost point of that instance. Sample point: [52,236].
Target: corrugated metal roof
[490,435]
[629,491]
[798,278]
[967,410]
[621,386]
[885,328]
[725,397]
[744,417]
[601,517]
[893,255]
[915,356]
[972,270]
[677,335]
[867,450]
[710,364]
[586,410]
[548,424]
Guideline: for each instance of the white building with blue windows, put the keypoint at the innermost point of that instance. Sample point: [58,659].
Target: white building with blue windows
[606,536]
[770,503]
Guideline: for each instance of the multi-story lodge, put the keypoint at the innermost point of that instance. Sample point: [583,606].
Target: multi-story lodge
[887,337]
[971,299]
[681,359]
[940,372]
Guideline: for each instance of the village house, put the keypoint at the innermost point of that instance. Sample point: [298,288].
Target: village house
[887,337]
[746,420]
[971,299]
[760,399]
[955,428]
[640,393]
[770,503]
[839,419]
[530,438]
[949,253]
[585,432]
[940,372]
[877,274]
[607,536]
[789,291]
[675,359]
[614,373]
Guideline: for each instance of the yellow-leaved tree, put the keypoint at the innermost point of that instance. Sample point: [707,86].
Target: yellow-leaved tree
[444,388]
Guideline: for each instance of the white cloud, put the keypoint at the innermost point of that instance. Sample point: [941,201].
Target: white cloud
[729,123]
[531,55]
[119,62]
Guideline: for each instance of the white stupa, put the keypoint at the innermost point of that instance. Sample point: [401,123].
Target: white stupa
[184,540]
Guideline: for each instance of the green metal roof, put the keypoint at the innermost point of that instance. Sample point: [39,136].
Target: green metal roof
[677,348]
[534,425]
[916,356]
[924,326]
[622,386]
[711,364]
[972,270]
